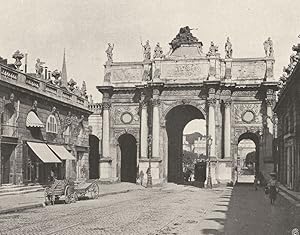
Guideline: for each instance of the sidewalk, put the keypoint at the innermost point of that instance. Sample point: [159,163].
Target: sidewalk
[13,203]
[292,196]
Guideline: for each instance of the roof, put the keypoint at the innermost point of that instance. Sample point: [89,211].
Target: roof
[32,120]
[43,152]
[61,152]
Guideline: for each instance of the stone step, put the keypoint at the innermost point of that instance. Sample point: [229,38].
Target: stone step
[17,189]
[21,192]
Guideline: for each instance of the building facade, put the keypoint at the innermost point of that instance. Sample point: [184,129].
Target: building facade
[288,114]
[43,125]
[147,104]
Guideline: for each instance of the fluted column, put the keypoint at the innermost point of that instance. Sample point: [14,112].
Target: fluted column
[155,128]
[144,129]
[211,125]
[105,130]
[227,129]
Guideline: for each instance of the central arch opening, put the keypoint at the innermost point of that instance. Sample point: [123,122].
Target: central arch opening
[176,121]
[248,157]
[128,149]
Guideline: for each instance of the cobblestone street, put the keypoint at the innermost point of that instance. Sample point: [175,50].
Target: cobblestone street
[171,209]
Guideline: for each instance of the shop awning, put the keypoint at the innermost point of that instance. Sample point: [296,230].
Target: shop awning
[33,120]
[61,152]
[43,152]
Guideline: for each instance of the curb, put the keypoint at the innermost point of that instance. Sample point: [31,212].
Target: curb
[38,205]
[117,192]
[22,208]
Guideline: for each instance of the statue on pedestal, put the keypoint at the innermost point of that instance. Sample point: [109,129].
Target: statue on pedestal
[56,74]
[212,49]
[39,67]
[147,51]
[228,49]
[158,52]
[109,53]
[268,46]
[184,37]
[18,56]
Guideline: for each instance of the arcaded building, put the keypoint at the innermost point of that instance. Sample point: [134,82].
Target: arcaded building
[44,128]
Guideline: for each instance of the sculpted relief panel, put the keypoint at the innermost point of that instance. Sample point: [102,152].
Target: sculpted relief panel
[125,114]
[127,74]
[245,71]
[245,113]
[185,71]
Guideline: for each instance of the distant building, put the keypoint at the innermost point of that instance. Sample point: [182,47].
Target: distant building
[199,145]
[288,114]
[44,125]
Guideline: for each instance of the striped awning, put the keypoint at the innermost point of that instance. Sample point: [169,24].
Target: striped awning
[32,120]
[43,152]
[61,152]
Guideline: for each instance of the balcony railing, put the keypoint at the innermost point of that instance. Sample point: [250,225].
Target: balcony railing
[9,130]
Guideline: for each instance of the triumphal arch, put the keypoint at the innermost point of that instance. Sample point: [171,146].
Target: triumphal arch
[146,105]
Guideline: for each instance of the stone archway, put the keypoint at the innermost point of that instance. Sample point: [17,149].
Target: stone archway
[128,150]
[248,168]
[176,119]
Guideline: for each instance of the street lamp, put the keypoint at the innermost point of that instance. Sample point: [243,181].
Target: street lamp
[209,142]
[149,176]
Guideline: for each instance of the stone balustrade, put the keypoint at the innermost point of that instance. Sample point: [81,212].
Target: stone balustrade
[42,87]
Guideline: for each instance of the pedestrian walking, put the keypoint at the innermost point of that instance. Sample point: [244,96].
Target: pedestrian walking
[255,182]
[273,187]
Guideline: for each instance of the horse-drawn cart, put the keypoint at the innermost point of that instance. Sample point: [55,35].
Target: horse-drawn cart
[58,189]
[70,192]
[88,188]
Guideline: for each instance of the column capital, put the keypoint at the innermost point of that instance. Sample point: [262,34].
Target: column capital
[227,102]
[270,101]
[143,103]
[155,102]
[211,102]
[106,105]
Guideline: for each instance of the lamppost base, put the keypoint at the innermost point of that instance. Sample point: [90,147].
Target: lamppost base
[209,183]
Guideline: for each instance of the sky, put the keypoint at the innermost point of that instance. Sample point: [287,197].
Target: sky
[44,28]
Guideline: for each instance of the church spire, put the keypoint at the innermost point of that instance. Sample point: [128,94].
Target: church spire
[64,77]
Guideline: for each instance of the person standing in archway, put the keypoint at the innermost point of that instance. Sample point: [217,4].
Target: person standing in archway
[273,188]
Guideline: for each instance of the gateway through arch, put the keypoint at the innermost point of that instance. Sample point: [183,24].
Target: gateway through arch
[176,119]
[146,99]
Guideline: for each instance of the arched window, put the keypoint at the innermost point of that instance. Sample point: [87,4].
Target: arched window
[51,125]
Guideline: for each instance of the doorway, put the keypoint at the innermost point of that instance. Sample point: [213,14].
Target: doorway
[128,150]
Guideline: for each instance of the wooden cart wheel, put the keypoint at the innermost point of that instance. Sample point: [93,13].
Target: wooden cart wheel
[47,196]
[94,190]
[68,195]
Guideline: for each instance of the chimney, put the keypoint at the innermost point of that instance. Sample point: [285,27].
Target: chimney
[46,72]
[25,66]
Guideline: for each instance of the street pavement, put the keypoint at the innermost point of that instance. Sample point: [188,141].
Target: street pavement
[171,209]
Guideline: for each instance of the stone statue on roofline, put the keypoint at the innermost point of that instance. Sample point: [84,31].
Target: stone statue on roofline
[268,47]
[18,56]
[158,52]
[39,67]
[71,84]
[184,37]
[109,53]
[147,51]
[56,75]
[228,49]
[212,49]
